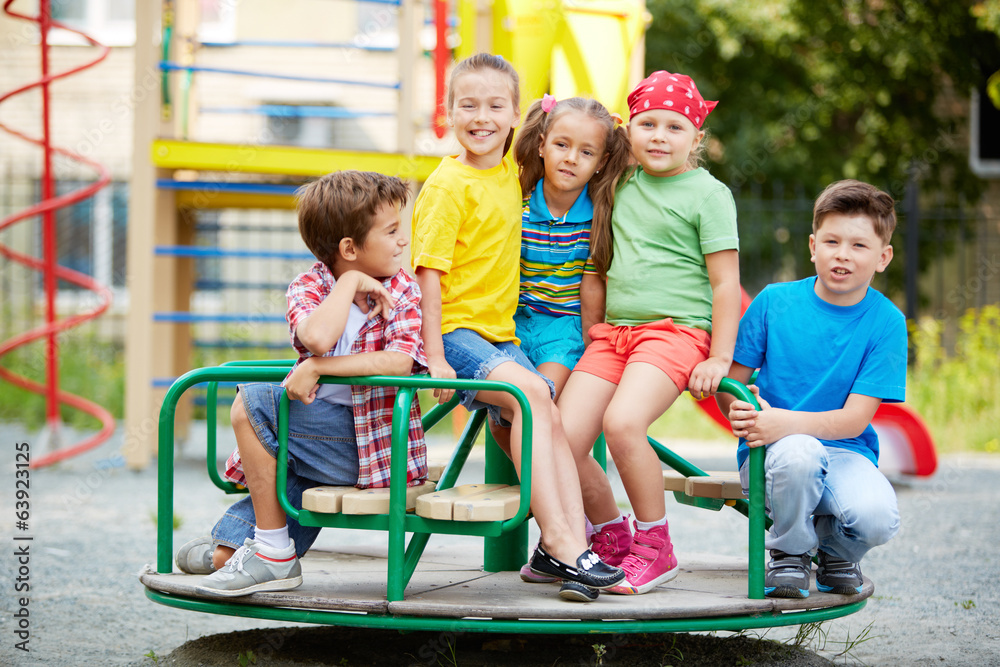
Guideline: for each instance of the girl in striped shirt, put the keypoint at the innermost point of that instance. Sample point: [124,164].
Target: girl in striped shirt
[571,154]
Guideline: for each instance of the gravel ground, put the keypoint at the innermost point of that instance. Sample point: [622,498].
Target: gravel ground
[92,529]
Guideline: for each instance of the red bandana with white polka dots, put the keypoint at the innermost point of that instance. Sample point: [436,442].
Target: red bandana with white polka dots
[676,92]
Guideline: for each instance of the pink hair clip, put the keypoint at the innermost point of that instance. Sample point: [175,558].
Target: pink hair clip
[548,102]
[617,119]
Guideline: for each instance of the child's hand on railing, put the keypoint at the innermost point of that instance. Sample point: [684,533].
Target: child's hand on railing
[706,376]
[746,420]
[303,383]
[439,368]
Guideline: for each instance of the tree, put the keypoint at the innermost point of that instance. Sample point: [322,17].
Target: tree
[812,92]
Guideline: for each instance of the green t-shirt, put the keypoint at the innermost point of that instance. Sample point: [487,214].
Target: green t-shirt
[663,228]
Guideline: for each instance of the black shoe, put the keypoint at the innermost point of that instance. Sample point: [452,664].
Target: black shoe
[574,592]
[589,570]
[838,576]
[787,575]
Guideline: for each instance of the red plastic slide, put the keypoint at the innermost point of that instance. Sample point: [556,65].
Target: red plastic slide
[905,444]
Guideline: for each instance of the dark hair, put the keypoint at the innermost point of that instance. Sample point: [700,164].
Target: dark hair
[343,205]
[602,185]
[481,61]
[850,197]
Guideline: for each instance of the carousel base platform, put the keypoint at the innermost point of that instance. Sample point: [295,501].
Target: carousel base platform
[348,588]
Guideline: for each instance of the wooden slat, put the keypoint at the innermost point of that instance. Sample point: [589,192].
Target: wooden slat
[673,481]
[717,485]
[376,501]
[439,505]
[326,499]
[435,470]
[497,505]
[725,485]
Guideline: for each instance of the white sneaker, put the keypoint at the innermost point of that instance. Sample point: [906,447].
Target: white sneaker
[195,557]
[250,570]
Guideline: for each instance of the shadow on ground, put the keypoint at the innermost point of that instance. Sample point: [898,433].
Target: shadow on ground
[350,647]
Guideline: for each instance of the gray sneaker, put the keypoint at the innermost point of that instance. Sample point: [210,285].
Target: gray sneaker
[195,557]
[787,575]
[838,576]
[250,571]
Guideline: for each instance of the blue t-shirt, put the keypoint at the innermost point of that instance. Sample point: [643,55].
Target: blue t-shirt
[813,354]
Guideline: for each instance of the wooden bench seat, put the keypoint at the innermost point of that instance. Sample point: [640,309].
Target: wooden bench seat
[721,485]
[352,500]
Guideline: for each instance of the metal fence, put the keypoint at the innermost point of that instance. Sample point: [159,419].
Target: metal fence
[946,256]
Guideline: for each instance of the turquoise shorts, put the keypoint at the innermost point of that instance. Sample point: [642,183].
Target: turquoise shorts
[549,338]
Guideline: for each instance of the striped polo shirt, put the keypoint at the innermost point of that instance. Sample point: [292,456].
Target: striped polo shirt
[554,254]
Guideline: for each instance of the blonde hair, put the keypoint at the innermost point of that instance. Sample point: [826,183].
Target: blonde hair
[488,61]
[602,185]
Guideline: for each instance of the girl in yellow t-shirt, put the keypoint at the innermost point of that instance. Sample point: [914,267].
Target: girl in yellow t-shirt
[466,245]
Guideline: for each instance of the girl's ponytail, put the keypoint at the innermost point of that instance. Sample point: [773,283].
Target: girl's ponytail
[527,146]
[603,186]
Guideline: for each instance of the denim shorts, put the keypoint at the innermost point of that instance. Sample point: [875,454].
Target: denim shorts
[322,451]
[549,338]
[473,358]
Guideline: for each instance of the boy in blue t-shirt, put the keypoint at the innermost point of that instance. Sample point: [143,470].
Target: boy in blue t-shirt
[830,349]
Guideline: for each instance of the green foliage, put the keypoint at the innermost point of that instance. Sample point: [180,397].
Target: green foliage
[812,92]
[451,657]
[88,367]
[957,391]
[152,656]
[816,636]
[966,604]
[600,650]
[246,659]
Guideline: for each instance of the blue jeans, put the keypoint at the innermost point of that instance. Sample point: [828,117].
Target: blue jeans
[826,497]
[473,357]
[322,451]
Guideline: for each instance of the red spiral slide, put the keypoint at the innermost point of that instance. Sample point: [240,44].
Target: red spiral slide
[905,444]
[48,263]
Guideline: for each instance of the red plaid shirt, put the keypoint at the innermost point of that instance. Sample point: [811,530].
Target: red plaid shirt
[398,332]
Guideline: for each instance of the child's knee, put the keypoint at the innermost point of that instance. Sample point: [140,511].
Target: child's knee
[237,413]
[621,429]
[796,456]
[537,391]
[875,525]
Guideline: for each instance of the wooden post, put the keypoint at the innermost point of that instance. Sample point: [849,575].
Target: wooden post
[144,205]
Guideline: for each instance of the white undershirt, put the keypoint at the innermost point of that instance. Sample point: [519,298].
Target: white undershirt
[340,394]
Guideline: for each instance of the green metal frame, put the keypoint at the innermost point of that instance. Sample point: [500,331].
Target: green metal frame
[409,623]
[506,546]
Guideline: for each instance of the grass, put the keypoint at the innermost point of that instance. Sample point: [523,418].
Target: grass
[88,367]
[955,389]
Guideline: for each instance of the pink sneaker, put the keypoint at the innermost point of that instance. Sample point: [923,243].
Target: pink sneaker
[613,542]
[651,563]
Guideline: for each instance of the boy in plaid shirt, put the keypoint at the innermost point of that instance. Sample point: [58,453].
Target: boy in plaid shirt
[355,312]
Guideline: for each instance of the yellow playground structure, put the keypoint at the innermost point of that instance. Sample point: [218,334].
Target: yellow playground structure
[181,167]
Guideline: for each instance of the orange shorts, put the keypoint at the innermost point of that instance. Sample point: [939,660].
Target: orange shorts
[673,348]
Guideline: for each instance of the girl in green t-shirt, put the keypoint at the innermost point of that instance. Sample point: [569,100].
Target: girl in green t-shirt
[673,305]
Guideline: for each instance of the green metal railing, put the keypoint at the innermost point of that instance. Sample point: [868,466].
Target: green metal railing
[505,548]
[509,535]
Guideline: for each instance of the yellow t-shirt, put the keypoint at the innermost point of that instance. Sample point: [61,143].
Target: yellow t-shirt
[467,224]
